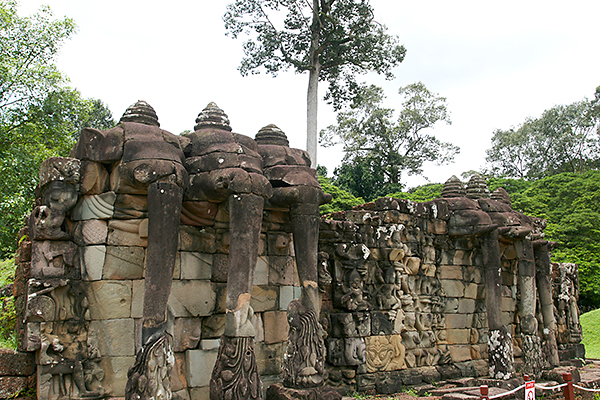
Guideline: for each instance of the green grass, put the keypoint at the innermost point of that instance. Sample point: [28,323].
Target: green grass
[590,322]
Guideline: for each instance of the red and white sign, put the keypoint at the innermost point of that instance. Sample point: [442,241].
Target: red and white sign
[530,390]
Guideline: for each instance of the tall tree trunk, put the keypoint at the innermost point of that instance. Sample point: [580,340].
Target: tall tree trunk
[311,115]
[312,99]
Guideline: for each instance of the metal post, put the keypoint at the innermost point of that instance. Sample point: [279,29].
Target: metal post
[484,390]
[568,390]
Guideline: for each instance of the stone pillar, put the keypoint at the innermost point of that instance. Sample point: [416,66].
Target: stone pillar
[543,274]
[235,375]
[533,361]
[501,357]
[155,359]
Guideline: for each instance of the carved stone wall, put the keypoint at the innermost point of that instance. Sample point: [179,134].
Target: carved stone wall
[410,292]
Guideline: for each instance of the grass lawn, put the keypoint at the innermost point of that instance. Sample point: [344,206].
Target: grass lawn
[590,322]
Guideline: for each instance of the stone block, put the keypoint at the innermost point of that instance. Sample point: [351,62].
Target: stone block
[451,305]
[196,265]
[100,206]
[199,365]
[179,373]
[115,374]
[94,178]
[437,227]
[450,272]
[183,394]
[261,272]
[462,257]
[276,326]
[278,244]
[473,274]
[199,393]
[281,270]
[459,321]
[220,290]
[124,262]
[14,363]
[213,326]
[474,291]
[128,232]
[113,337]
[210,344]
[259,327]
[286,295]
[109,299]
[92,262]
[460,353]
[137,299]
[129,206]
[264,298]
[192,298]
[509,304]
[458,336]
[466,306]
[269,357]
[186,333]
[53,258]
[453,288]
[192,238]
[90,232]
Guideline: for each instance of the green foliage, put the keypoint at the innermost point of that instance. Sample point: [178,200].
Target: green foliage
[378,150]
[342,200]
[337,39]
[590,322]
[8,317]
[422,193]
[569,202]
[563,139]
[39,116]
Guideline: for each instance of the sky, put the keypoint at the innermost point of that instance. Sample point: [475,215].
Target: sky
[496,63]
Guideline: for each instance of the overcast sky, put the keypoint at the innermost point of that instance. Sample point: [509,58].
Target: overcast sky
[495,62]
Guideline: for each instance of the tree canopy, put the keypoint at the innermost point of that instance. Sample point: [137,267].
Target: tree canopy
[334,40]
[379,148]
[562,139]
[40,116]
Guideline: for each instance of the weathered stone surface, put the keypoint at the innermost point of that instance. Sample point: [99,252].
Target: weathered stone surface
[109,337]
[109,299]
[10,386]
[89,232]
[92,262]
[269,357]
[124,262]
[278,392]
[128,232]
[99,206]
[186,334]
[199,366]
[264,298]
[94,178]
[192,298]
[286,295]
[276,326]
[385,353]
[13,363]
[213,326]
[196,265]
[115,374]
[282,270]
[194,239]
[261,272]
[179,374]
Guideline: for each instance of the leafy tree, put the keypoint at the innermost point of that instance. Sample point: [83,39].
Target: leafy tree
[28,46]
[342,200]
[563,139]
[334,40]
[39,116]
[378,150]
